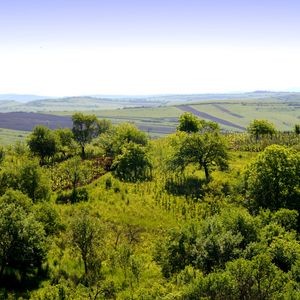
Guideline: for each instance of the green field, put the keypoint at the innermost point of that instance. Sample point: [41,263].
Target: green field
[9,137]
[234,115]
[283,113]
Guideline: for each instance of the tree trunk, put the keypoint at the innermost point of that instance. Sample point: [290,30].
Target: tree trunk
[82,152]
[207,175]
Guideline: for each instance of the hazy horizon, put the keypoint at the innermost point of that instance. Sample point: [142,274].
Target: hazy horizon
[71,48]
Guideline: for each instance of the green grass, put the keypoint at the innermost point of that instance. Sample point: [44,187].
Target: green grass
[9,137]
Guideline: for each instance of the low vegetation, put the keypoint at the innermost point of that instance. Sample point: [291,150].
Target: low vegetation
[99,211]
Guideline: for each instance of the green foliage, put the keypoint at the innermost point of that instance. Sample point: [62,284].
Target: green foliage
[103,126]
[84,129]
[66,145]
[26,176]
[43,142]
[22,247]
[75,172]
[47,214]
[208,245]
[113,141]
[297,128]
[133,164]
[260,128]
[2,154]
[205,150]
[188,123]
[273,179]
[85,238]
[32,181]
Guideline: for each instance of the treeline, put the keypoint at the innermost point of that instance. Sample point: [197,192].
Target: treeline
[101,212]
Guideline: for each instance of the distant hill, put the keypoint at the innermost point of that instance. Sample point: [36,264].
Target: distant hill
[33,103]
[20,98]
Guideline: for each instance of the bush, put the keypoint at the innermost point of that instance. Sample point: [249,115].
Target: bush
[79,195]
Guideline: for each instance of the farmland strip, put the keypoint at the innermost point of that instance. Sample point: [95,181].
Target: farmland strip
[204,115]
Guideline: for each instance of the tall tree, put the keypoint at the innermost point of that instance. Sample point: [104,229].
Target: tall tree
[43,142]
[85,128]
[85,238]
[205,150]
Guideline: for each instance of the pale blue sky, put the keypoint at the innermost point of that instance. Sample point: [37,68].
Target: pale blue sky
[141,47]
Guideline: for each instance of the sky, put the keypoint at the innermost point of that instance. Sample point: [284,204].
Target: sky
[89,47]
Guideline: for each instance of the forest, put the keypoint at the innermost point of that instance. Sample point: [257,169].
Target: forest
[101,211]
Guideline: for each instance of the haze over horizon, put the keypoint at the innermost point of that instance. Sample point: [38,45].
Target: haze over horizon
[64,48]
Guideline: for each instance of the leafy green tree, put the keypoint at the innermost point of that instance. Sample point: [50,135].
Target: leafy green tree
[188,123]
[113,141]
[209,244]
[260,128]
[85,128]
[43,142]
[133,164]
[26,176]
[46,214]
[86,238]
[66,141]
[75,172]
[297,128]
[273,179]
[22,244]
[103,125]
[256,279]
[205,150]
[33,181]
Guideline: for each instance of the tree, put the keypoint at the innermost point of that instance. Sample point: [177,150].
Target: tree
[133,164]
[205,150]
[75,173]
[188,123]
[43,142]
[273,179]
[33,182]
[22,244]
[85,128]
[85,238]
[103,126]
[66,141]
[260,128]
[26,176]
[297,128]
[113,141]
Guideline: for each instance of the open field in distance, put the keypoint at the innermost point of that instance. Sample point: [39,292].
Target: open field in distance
[232,115]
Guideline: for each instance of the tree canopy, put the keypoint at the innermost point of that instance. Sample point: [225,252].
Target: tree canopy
[260,128]
[132,164]
[43,142]
[22,246]
[188,123]
[205,150]
[273,179]
[84,129]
